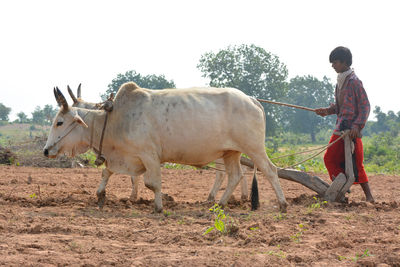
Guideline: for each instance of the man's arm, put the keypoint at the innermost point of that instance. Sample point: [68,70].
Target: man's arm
[326,111]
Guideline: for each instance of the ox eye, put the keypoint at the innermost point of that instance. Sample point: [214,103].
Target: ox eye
[59,123]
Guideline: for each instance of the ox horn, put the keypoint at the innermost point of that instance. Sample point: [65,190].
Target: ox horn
[60,99]
[79,91]
[72,95]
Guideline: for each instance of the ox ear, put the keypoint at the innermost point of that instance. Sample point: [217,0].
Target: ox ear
[79,120]
[79,91]
[72,95]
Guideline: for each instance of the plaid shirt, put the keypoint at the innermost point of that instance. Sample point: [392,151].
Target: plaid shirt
[351,104]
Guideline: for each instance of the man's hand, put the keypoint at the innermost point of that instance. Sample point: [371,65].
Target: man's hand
[321,111]
[354,133]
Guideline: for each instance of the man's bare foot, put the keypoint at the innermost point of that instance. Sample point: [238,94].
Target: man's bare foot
[367,192]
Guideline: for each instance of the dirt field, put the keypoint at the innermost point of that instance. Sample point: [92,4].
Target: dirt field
[50,217]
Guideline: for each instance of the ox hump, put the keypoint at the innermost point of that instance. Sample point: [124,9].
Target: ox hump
[129,86]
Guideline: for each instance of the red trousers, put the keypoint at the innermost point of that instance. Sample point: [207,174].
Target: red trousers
[334,159]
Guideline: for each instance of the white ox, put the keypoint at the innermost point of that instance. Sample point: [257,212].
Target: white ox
[219,176]
[148,127]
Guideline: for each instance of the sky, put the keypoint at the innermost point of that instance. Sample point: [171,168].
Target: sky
[47,43]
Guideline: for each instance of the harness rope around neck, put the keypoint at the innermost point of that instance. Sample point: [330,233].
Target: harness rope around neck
[108,107]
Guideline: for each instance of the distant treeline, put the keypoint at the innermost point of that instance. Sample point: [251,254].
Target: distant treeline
[257,73]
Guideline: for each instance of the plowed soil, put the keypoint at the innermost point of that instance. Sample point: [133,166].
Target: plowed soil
[49,216]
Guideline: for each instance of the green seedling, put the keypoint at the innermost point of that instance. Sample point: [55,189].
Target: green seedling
[297,236]
[317,205]
[181,221]
[279,254]
[33,196]
[280,216]
[348,217]
[220,220]
[341,258]
[365,254]
[167,213]
[357,257]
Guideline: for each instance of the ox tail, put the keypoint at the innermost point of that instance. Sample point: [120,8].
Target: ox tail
[255,201]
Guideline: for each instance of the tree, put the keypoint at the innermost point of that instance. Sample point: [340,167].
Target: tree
[49,113]
[38,116]
[22,117]
[384,123]
[4,112]
[310,92]
[150,81]
[250,69]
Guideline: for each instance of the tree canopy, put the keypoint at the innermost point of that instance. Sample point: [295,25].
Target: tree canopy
[310,92]
[151,81]
[23,118]
[250,69]
[389,122]
[4,112]
[43,116]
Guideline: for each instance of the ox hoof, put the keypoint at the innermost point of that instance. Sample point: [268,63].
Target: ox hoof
[101,199]
[133,199]
[210,199]
[157,210]
[283,207]
[222,205]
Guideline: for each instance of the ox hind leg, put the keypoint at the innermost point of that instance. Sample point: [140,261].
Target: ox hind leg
[135,183]
[243,186]
[232,166]
[101,191]
[269,170]
[219,178]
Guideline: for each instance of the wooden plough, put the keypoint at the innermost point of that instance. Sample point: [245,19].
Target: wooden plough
[334,192]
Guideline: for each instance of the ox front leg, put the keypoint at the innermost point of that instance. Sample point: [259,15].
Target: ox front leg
[135,183]
[232,166]
[101,191]
[152,180]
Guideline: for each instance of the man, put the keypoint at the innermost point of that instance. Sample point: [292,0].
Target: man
[352,109]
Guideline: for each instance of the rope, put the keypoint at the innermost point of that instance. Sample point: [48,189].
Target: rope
[221,170]
[316,154]
[301,152]
[108,107]
[100,159]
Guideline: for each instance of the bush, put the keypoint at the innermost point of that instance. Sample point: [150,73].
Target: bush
[382,153]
